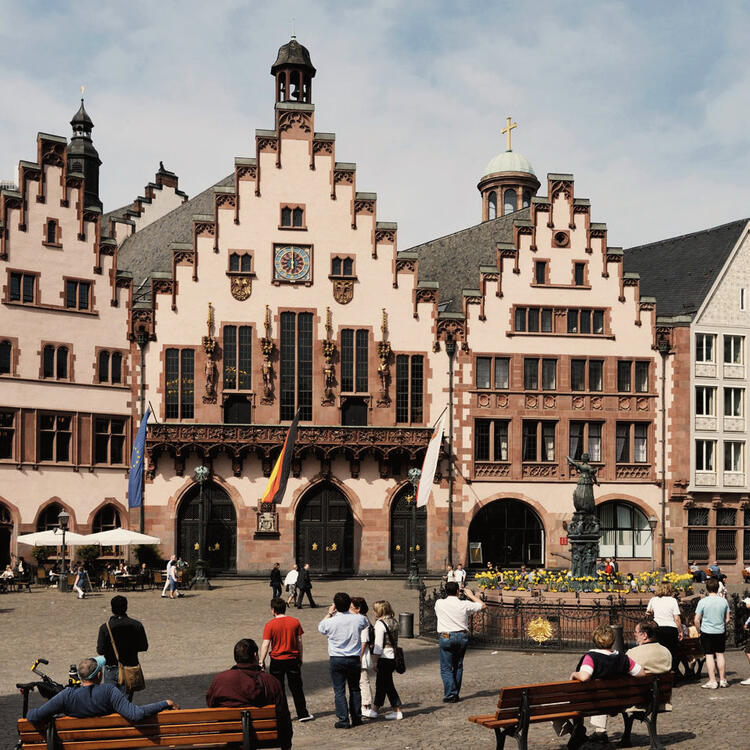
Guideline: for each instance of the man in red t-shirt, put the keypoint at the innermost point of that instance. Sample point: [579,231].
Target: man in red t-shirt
[283,636]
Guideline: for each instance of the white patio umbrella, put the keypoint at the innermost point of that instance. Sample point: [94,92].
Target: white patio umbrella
[120,537]
[53,538]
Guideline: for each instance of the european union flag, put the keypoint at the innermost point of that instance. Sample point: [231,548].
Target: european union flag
[135,481]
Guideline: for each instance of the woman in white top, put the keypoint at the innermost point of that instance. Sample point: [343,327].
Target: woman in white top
[359,607]
[290,584]
[666,613]
[384,659]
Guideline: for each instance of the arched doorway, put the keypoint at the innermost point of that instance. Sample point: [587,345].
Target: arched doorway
[325,530]
[107,518]
[401,522]
[6,531]
[507,533]
[221,527]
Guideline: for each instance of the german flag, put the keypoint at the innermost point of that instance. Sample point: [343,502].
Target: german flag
[276,486]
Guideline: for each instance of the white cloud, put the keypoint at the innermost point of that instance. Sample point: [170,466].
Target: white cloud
[646,104]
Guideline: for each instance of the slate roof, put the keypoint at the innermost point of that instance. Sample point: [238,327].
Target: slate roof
[679,271]
[453,261]
[148,250]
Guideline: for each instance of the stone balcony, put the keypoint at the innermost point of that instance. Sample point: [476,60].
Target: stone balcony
[238,442]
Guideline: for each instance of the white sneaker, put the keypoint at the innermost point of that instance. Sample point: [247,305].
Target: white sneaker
[394,716]
[368,713]
[723,683]
[745,682]
[710,685]
[309,717]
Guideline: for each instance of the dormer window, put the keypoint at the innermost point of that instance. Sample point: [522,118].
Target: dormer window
[292,217]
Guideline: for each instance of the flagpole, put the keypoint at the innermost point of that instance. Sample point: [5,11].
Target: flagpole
[450,348]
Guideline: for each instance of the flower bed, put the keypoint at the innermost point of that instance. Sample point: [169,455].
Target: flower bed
[553,581]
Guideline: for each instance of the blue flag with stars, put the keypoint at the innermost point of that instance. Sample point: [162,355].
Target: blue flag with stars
[135,482]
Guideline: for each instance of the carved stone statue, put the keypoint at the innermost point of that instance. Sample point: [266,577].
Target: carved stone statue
[583,495]
[210,371]
[267,372]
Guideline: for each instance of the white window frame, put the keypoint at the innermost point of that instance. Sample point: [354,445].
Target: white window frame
[734,456]
[737,398]
[705,401]
[706,451]
[737,346]
[705,338]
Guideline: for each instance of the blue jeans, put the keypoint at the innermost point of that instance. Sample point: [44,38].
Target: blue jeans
[345,670]
[452,650]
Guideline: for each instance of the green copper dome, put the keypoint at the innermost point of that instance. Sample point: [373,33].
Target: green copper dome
[508,161]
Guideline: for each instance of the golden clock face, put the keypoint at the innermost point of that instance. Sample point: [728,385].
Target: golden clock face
[291,263]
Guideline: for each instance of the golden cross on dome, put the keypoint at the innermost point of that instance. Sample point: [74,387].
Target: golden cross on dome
[506,130]
[83,88]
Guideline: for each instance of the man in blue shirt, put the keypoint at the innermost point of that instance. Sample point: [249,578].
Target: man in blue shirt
[94,699]
[344,631]
[711,618]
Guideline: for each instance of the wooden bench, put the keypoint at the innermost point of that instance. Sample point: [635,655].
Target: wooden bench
[207,727]
[690,648]
[522,705]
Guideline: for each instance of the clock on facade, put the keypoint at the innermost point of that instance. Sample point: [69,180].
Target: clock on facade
[292,263]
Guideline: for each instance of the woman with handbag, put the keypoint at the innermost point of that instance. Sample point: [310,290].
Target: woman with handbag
[387,656]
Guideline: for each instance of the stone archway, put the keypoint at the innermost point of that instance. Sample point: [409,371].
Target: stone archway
[401,522]
[220,522]
[509,534]
[6,533]
[325,530]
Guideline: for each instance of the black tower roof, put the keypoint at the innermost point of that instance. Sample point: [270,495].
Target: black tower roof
[293,53]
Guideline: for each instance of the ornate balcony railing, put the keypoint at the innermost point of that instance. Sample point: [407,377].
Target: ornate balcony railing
[264,442]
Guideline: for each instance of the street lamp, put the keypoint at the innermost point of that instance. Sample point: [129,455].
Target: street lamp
[652,521]
[201,581]
[412,581]
[63,518]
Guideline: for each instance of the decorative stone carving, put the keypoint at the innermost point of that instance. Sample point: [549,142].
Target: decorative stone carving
[267,520]
[633,471]
[539,470]
[294,120]
[183,256]
[549,402]
[406,264]
[241,287]
[531,401]
[343,177]
[343,290]
[385,235]
[579,402]
[596,402]
[266,347]
[641,404]
[204,229]
[329,376]
[623,403]
[323,147]
[209,347]
[486,470]
[483,400]
[502,401]
[246,171]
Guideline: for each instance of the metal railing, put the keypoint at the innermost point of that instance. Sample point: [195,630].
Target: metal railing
[529,625]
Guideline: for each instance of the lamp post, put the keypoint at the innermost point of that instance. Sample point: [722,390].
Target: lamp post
[450,348]
[63,517]
[201,581]
[652,521]
[412,581]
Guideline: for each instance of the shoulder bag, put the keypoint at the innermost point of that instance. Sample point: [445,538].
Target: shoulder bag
[398,652]
[131,678]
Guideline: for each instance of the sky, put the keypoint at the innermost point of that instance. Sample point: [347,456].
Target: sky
[646,103]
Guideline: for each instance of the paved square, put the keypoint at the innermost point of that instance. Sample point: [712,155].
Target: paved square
[192,638]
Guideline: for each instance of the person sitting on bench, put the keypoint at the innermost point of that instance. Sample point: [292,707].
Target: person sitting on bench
[600,663]
[246,684]
[94,699]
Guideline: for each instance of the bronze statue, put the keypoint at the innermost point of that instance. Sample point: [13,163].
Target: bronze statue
[583,495]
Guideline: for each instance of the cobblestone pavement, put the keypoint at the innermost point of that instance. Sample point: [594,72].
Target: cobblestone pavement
[192,638]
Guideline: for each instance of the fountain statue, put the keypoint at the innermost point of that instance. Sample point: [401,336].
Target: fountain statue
[583,529]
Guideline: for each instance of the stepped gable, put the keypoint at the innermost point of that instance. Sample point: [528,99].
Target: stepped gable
[680,271]
[454,260]
[148,250]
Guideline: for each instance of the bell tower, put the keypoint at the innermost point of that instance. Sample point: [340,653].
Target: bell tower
[83,157]
[508,183]
[293,72]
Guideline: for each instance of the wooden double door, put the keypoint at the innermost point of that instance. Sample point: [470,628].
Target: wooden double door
[325,531]
[220,521]
[401,531]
